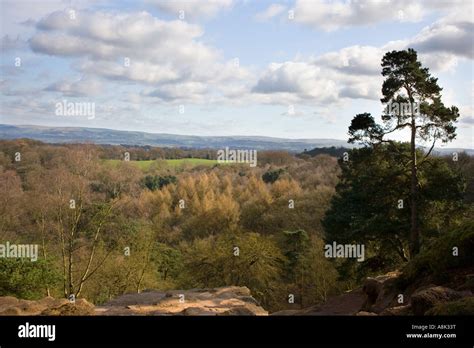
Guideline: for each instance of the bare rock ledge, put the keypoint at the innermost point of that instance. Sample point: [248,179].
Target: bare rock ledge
[232,300]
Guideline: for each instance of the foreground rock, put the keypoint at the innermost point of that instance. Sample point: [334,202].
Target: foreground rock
[371,299]
[220,301]
[231,300]
[46,306]
[382,295]
[424,300]
[381,292]
[397,310]
[464,306]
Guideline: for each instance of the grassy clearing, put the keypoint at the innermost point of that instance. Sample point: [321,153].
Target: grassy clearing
[188,162]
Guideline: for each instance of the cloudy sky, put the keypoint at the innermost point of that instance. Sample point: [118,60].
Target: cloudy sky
[294,69]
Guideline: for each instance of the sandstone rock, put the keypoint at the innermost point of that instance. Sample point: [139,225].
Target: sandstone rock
[53,302]
[425,299]
[379,296]
[7,301]
[287,312]
[371,288]
[398,310]
[11,311]
[30,307]
[381,292]
[232,291]
[190,311]
[12,306]
[232,300]
[239,311]
[365,314]
[79,307]
[45,306]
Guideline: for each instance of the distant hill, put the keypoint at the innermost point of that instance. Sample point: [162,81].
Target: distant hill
[115,137]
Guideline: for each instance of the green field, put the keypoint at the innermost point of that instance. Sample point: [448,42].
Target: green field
[191,162]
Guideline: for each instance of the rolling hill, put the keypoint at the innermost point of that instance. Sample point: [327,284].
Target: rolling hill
[116,137]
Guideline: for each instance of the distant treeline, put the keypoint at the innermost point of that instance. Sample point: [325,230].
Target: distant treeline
[331,151]
[142,153]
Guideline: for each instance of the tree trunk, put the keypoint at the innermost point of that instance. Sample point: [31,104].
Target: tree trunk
[70,266]
[43,243]
[414,232]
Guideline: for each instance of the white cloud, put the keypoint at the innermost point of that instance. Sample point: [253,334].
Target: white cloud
[442,44]
[183,92]
[110,36]
[356,60]
[350,73]
[271,11]
[361,90]
[439,61]
[137,71]
[192,8]
[333,15]
[18,15]
[449,35]
[137,48]
[170,63]
[302,82]
[330,15]
[79,88]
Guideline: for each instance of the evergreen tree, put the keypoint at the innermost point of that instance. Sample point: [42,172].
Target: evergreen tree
[413,101]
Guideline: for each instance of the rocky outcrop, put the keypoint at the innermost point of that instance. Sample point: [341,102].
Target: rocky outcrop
[365,314]
[398,310]
[377,296]
[79,307]
[382,295]
[231,300]
[46,306]
[464,306]
[425,299]
[381,292]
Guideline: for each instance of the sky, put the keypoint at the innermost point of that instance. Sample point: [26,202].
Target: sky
[292,69]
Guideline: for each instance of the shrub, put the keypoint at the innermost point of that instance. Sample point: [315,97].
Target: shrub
[436,259]
[26,279]
[157,182]
[271,176]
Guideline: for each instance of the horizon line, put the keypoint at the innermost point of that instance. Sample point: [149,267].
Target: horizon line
[215,136]
[194,135]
